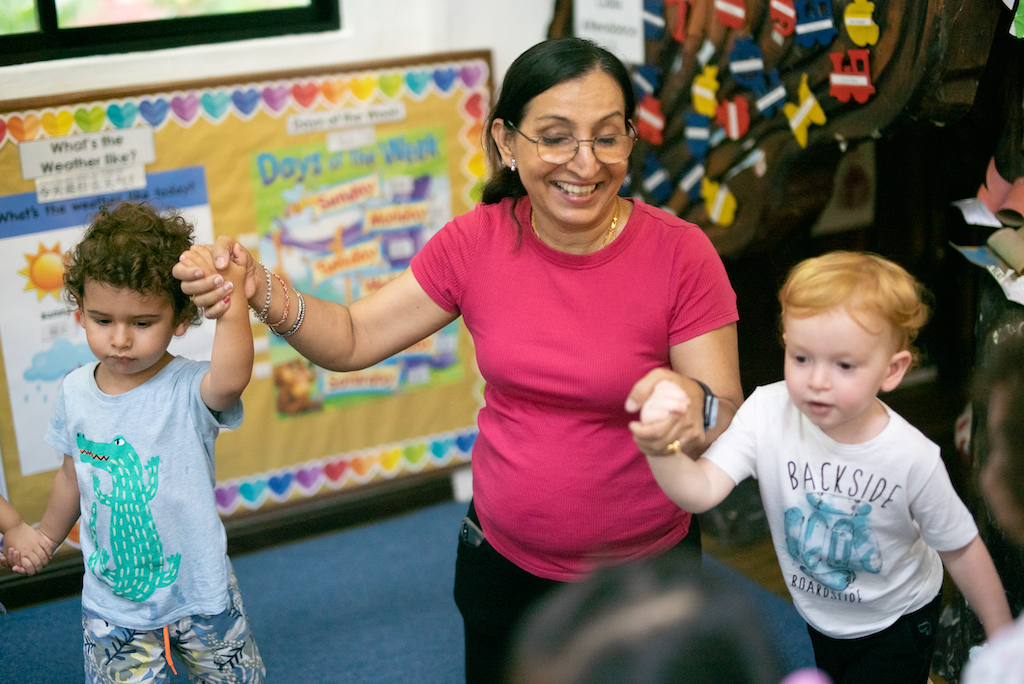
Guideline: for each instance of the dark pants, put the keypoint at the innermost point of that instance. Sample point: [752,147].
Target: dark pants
[899,654]
[493,593]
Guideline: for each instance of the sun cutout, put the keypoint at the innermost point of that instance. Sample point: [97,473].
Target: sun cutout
[45,271]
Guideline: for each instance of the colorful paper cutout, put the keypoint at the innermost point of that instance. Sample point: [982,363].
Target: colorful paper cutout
[475,107]
[657,183]
[698,134]
[771,94]
[690,182]
[734,117]
[783,16]
[120,115]
[746,63]
[184,108]
[444,79]
[860,25]
[706,53]
[803,115]
[472,75]
[334,90]
[417,81]
[731,13]
[704,91]
[90,120]
[654,19]
[305,94]
[646,79]
[214,105]
[391,84]
[24,128]
[650,121]
[679,26]
[308,479]
[57,124]
[756,160]
[719,202]
[246,101]
[814,23]
[853,80]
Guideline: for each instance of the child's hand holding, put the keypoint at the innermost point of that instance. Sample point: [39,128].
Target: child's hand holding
[199,259]
[669,422]
[26,549]
[235,274]
[203,280]
[666,398]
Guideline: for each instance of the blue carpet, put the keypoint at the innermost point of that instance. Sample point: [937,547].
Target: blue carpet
[366,604]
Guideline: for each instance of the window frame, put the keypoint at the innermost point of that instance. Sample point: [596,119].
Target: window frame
[51,42]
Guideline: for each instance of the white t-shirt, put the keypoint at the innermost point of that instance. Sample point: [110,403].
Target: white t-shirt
[855,526]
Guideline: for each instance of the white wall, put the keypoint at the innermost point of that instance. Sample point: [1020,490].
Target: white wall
[372,29]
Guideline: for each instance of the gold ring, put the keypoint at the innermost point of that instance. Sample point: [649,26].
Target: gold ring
[674,448]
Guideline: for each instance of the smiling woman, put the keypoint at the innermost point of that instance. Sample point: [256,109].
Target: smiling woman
[36,30]
[564,330]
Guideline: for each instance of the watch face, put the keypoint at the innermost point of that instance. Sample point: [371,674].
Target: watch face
[710,411]
[710,406]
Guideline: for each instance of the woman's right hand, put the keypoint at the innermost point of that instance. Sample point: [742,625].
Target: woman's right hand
[199,268]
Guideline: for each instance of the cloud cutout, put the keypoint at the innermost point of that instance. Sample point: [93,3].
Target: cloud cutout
[57,361]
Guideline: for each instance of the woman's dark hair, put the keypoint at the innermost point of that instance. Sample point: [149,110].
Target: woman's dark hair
[1004,370]
[134,247]
[543,66]
[651,622]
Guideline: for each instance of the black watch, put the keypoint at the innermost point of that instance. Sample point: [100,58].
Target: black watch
[710,406]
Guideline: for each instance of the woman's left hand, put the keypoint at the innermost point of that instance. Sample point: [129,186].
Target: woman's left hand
[201,279]
[671,414]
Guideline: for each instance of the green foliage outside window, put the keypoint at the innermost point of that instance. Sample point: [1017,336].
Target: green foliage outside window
[101,12]
[18,16]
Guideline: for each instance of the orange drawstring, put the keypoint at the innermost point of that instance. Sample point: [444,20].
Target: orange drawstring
[167,650]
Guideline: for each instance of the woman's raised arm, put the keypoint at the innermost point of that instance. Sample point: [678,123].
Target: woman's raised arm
[331,335]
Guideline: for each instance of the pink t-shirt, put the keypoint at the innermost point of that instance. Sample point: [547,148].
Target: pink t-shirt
[558,483]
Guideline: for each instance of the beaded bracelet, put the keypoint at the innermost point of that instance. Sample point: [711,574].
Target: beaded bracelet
[298,320]
[284,315]
[262,315]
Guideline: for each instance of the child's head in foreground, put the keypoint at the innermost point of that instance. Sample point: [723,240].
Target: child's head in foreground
[131,246]
[650,622]
[849,321]
[1000,384]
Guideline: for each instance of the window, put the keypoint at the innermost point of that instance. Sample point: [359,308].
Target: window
[36,30]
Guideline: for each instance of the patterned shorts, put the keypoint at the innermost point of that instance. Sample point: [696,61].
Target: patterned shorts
[214,649]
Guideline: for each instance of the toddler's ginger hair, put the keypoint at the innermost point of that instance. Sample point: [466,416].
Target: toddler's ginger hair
[861,283]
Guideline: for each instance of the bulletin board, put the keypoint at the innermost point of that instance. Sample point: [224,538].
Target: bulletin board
[334,178]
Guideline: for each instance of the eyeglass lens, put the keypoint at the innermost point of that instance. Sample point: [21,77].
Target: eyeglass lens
[609,149]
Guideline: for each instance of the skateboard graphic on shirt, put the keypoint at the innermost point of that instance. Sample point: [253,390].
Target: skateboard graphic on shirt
[833,540]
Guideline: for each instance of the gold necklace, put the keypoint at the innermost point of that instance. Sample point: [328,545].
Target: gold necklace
[607,237]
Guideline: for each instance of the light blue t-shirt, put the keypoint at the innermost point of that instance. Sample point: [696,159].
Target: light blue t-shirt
[154,546]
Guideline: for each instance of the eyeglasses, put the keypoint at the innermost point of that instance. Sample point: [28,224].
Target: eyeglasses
[609,149]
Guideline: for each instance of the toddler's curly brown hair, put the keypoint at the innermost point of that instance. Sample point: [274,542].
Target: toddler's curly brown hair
[133,246]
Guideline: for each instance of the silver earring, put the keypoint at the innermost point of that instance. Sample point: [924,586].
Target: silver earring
[512,166]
